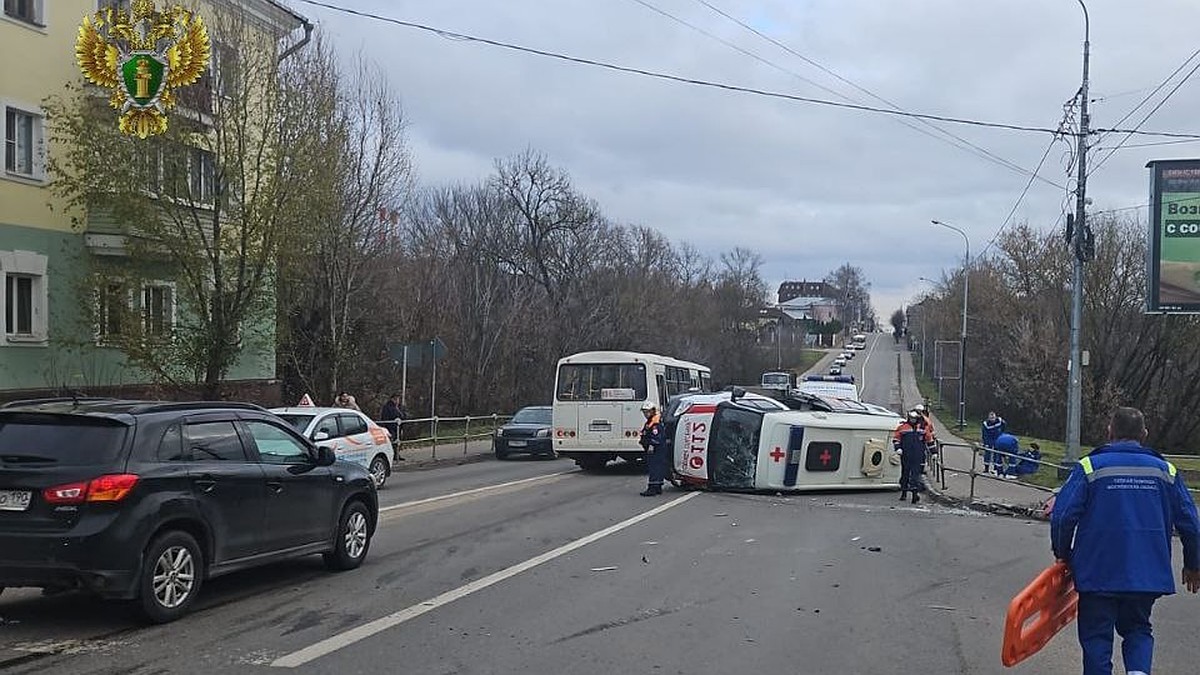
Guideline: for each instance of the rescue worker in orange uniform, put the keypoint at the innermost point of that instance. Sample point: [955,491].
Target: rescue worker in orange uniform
[914,441]
[654,441]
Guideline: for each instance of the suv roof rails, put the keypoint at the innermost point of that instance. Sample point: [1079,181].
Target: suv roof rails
[56,399]
[179,406]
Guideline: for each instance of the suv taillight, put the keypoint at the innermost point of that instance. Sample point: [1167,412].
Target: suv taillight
[110,488]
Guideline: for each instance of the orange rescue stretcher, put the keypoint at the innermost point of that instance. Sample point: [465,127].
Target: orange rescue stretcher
[1038,612]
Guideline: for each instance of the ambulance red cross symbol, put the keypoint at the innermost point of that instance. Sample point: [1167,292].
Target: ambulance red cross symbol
[825,457]
[777,455]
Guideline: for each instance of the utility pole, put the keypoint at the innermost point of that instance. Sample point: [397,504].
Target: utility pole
[1075,371]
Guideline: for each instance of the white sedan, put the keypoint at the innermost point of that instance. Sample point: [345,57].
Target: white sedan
[351,434]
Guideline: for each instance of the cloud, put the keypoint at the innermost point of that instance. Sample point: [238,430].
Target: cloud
[807,187]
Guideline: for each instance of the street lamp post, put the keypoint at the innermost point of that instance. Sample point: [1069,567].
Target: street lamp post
[962,350]
[924,311]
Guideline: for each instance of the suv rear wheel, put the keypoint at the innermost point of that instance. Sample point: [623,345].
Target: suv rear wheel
[353,538]
[172,571]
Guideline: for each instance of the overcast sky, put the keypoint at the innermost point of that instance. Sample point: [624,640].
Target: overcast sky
[807,187]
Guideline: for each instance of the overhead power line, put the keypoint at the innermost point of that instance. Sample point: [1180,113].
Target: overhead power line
[1068,107]
[1153,110]
[453,35]
[958,141]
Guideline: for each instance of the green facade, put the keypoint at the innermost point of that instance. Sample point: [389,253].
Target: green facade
[71,358]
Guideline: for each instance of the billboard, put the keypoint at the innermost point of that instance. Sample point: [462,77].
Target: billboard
[1173,251]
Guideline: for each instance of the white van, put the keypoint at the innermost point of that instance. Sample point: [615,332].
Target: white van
[836,386]
[747,444]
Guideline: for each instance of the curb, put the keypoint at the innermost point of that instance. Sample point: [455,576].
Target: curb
[993,508]
[411,465]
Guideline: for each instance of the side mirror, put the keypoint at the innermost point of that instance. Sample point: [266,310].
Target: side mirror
[321,436]
[325,456]
[736,393]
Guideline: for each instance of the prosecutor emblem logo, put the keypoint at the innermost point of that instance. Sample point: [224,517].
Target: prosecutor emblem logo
[142,55]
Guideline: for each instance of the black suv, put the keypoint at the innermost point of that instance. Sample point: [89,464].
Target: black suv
[144,500]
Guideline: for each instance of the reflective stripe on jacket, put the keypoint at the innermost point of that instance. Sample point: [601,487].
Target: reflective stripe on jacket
[991,431]
[1113,519]
[652,436]
[913,441]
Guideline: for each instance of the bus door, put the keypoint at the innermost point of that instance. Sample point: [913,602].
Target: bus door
[733,448]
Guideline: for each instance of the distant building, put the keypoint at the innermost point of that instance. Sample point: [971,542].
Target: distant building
[791,290]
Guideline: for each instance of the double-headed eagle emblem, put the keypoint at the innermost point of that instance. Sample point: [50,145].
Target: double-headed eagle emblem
[142,55]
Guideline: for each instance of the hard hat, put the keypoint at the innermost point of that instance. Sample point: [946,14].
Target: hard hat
[648,406]
[920,407]
[914,415]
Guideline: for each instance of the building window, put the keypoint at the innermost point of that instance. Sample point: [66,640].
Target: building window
[112,305]
[25,298]
[18,303]
[115,4]
[158,309]
[28,11]
[225,67]
[202,171]
[22,136]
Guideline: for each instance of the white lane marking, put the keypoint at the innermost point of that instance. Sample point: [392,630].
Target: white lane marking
[486,488]
[342,640]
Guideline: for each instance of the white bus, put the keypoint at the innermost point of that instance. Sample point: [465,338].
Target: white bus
[598,399]
[858,341]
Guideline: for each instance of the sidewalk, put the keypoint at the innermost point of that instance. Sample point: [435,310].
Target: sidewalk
[445,453]
[991,494]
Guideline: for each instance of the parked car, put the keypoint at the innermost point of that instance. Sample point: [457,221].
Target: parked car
[352,435]
[835,370]
[839,362]
[528,432]
[145,501]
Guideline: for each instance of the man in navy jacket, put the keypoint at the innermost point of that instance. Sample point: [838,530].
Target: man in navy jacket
[1112,523]
[990,432]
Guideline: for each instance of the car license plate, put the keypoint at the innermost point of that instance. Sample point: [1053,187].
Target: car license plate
[517,444]
[14,500]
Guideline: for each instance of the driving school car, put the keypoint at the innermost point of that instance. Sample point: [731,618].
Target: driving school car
[743,443]
[352,435]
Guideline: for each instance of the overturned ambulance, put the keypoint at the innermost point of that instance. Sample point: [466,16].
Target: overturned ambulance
[738,441]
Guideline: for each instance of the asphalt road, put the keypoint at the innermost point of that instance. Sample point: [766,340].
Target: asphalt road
[534,567]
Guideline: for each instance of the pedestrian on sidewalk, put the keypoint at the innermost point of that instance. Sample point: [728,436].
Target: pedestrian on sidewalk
[654,441]
[392,416]
[990,432]
[345,400]
[1112,523]
[913,439]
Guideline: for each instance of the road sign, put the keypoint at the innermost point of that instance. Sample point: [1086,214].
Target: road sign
[417,354]
[1173,251]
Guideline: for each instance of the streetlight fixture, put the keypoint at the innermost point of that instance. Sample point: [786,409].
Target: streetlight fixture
[962,350]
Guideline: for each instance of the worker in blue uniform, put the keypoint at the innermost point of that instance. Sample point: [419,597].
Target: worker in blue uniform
[1112,523]
[654,441]
[989,433]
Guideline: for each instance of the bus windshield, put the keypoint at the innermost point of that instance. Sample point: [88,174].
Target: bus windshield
[601,382]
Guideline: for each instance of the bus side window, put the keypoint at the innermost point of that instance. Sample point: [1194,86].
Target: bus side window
[662,391]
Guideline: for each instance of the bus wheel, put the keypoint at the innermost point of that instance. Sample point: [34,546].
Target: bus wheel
[591,463]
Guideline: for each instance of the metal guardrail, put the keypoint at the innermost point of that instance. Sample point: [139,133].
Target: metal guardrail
[939,467]
[976,449]
[398,427]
